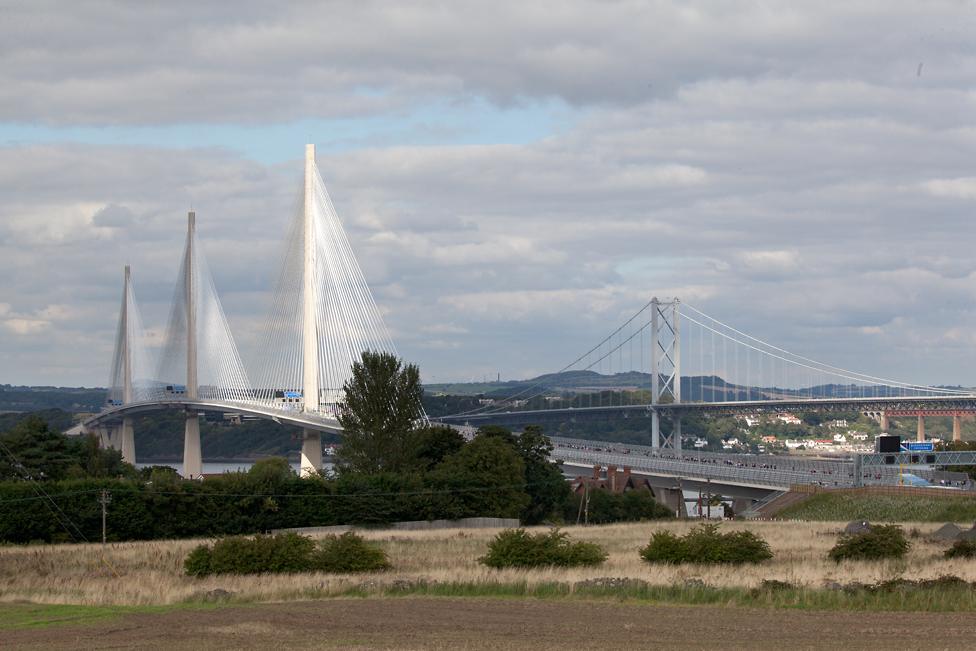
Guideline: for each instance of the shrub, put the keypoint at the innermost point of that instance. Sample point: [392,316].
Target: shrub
[349,553]
[285,553]
[706,544]
[962,549]
[288,552]
[882,541]
[518,548]
[197,563]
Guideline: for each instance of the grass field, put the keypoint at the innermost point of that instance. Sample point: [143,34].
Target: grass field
[444,563]
[882,508]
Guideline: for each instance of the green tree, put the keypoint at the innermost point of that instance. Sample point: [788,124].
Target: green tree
[32,449]
[270,472]
[433,444]
[484,478]
[382,404]
[104,462]
[544,482]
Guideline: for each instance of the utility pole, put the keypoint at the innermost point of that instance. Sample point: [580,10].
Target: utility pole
[104,499]
[708,495]
[586,507]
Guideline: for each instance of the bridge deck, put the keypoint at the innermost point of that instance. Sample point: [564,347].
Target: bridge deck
[877,404]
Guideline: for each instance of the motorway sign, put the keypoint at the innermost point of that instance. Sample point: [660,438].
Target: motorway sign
[918,446]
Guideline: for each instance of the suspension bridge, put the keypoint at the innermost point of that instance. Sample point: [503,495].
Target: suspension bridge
[668,360]
[672,359]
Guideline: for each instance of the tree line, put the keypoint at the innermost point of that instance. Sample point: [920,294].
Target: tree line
[392,466]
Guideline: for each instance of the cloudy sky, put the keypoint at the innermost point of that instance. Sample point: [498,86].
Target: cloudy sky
[516,178]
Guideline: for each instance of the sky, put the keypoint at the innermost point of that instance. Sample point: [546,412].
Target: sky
[516,178]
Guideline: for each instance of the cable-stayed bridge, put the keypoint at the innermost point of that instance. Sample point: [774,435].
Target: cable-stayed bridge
[322,318]
[665,361]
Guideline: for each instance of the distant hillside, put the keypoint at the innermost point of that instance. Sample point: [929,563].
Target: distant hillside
[708,388]
[70,399]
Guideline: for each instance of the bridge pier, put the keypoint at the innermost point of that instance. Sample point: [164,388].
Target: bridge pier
[128,442]
[741,504]
[106,438]
[956,428]
[920,433]
[673,499]
[655,429]
[884,421]
[311,452]
[192,456]
[676,433]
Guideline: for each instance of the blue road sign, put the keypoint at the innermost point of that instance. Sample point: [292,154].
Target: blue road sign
[918,446]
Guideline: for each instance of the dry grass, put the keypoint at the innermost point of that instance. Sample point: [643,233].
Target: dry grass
[145,573]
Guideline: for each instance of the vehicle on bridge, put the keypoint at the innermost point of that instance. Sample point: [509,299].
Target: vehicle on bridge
[289,399]
[175,389]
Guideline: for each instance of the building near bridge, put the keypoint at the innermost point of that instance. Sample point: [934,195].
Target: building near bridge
[614,480]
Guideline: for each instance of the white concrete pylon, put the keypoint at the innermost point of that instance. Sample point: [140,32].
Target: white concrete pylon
[192,453]
[127,340]
[310,340]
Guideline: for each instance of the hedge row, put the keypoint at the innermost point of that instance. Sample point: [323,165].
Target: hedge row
[234,504]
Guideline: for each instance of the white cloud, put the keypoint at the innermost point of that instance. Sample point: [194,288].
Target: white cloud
[20,326]
[779,167]
[961,188]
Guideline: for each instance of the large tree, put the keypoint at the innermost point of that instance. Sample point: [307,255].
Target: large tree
[544,482]
[381,411]
[33,450]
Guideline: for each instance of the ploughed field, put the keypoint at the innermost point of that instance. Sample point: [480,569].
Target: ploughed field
[444,563]
[426,623]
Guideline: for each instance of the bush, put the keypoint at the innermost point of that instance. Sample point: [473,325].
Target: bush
[882,541]
[706,544]
[349,553]
[285,553]
[288,552]
[198,563]
[962,549]
[518,548]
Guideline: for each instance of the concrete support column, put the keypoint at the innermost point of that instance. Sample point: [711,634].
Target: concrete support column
[884,421]
[920,434]
[311,452]
[192,456]
[676,433]
[956,428]
[673,499]
[740,505]
[104,435]
[128,442]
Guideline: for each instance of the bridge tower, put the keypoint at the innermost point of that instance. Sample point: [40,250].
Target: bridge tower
[311,439]
[192,455]
[128,442]
[665,369]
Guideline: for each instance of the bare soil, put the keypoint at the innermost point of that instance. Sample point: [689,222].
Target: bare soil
[468,623]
